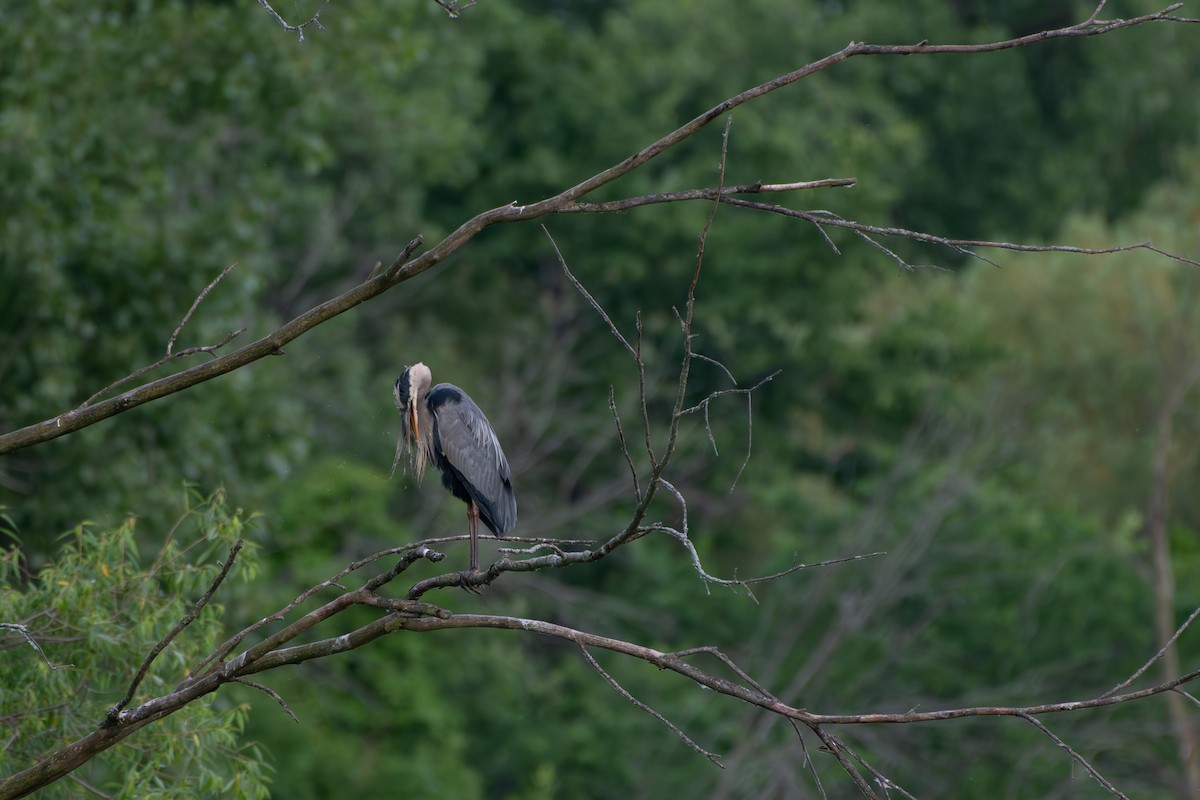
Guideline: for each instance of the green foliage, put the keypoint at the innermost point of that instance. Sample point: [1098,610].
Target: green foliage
[987,430]
[1098,348]
[96,611]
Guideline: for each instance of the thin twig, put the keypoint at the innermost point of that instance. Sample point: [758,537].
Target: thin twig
[612,407]
[713,757]
[188,351]
[703,405]
[453,8]
[685,323]
[1162,651]
[87,787]
[808,760]
[24,632]
[817,217]
[170,354]
[1070,751]
[587,295]
[718,365]
[274,695]
[716,653]
[904,265]
[744,583]
[402,259]
[642,399]
[195,303]
[1189,696]
[814,565]
[885,783]
[314,20]
[409,552]
[187,620]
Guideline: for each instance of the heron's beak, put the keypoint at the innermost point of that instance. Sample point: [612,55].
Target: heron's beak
[412,423]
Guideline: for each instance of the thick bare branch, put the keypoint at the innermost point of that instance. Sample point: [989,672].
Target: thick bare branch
[403,268]
[701,194]
[839,751]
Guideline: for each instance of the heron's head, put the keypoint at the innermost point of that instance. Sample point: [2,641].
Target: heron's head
[409,391]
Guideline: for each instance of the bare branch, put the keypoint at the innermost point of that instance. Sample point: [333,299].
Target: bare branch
[1188,696]
[713,757]
[315,20]
[808,762]
[1096,13]
[171,355]
[410,552]
[270,654]
[87,415]
[840,752]
[883,781]
[588,295]
[454,8]
[703,405]
[889,253]
[829,562]
[190,351]
[274,695]
[87,787]
[642,400]
[745,583]
[1161,652]
[195,303]
[701,194]
[188,619]
[820,218]
[24,633]
[612,407]
[1075,755]
[409,613]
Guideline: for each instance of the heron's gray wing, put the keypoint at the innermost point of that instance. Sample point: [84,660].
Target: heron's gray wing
[465,439]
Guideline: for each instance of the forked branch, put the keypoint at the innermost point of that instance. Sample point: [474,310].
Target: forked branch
[403,268]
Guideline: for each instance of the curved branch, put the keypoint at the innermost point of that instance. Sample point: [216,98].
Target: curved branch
[407,615]
[675,663]
[188,619]
[403,269]
[314,20]
[822,218]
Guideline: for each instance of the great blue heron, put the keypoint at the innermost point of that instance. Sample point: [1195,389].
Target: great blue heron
[443,425]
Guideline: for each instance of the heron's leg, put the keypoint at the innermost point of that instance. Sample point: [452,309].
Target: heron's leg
[473,520]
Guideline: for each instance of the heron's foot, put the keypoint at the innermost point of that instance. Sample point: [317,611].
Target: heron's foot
[468,579]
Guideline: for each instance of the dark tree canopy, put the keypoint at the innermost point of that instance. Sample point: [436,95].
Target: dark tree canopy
[1014,443]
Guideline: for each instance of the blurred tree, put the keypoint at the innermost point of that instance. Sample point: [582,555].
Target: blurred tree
[200,134]
[102,601]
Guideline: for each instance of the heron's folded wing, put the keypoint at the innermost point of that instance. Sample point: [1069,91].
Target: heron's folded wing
[465,439]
